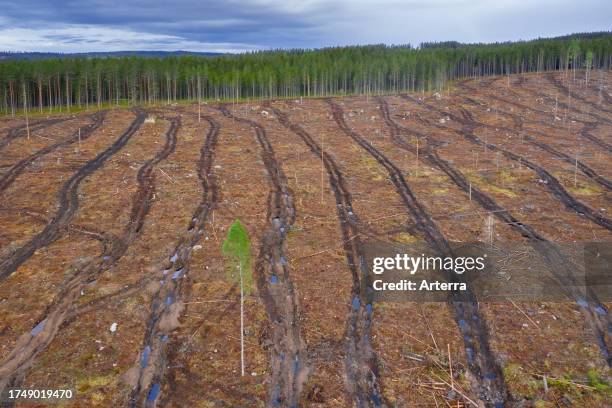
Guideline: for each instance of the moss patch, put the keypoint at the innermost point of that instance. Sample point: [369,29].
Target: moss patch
[85,385]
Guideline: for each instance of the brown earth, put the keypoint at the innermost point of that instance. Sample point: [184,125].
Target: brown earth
[401,354]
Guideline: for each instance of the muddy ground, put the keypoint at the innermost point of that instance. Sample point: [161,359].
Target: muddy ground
[113,283]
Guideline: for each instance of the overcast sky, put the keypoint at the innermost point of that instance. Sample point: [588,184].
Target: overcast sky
[240,25]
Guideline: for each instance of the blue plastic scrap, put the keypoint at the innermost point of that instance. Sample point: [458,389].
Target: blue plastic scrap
[470,354]
[38,328]
[154,392]
[177,274]
[144,360]
[601,310]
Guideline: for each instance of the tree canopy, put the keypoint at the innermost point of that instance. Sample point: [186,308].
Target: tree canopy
[63,83]
[237,251]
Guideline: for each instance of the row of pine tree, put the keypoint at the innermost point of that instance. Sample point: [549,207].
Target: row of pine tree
[65,83]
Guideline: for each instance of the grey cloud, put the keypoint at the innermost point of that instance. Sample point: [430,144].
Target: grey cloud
[247,24]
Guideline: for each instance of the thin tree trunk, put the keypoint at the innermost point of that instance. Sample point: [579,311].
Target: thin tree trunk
[25,110]
[241,322]
[40,102]
[199,99]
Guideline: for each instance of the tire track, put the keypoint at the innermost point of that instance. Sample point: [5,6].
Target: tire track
[362,372]
[68,203]
[597,85]
[550,181]
[15,366]
[543,96]
[9,177]
[464,85]
[489,384]
[607,97]
[595,312]
[104,238]
[587,127]
[166,304]
[288,357]
[566,91]
[584,168]
[21,131]
[586,133]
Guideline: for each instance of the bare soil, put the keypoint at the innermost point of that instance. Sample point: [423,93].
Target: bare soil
[126,225]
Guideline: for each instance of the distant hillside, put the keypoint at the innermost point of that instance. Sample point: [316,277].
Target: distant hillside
[145,54]
[457,44]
